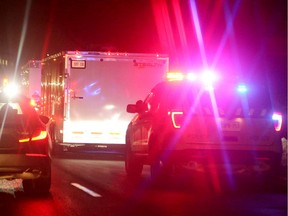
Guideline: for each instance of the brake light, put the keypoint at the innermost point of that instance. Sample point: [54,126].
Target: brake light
[23,140]
[277,117]
[41,136]
[38,136]
[177,118]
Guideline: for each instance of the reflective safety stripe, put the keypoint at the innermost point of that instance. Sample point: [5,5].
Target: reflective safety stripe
[86,190]
[77,132]
[115,133]
[96,133]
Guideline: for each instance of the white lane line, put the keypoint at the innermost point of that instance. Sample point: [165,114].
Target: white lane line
[86,190]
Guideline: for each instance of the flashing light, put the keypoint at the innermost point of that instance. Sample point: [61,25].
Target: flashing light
[207,77]
[192,76]
[174,76]
[242,88]
[78,55]
[277,117]
[11,89]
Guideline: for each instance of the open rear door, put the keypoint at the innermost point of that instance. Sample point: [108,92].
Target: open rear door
[99,90]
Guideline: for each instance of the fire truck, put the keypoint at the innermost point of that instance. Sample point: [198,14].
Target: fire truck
[85,95]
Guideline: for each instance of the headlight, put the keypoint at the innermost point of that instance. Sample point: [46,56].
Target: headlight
[11,90]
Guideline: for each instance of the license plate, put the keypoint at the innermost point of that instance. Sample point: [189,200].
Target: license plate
[231,126]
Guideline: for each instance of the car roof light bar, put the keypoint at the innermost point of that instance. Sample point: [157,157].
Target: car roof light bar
[171,76]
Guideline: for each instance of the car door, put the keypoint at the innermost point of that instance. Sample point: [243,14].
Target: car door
[142,124]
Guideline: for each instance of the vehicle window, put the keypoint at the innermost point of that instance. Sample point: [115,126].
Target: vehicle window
[229,102]
[223,102]
[152,102]
[177,97]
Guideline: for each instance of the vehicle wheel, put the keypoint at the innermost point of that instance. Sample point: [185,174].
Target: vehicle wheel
[133,165]
[38,186]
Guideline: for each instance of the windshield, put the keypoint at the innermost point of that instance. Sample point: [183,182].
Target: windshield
[225,101]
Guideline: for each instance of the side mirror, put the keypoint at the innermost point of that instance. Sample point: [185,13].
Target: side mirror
[131,108]
[44,119]
[135,108]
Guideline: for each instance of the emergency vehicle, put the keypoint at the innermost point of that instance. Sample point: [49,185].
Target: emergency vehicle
[204,123]
[85,94]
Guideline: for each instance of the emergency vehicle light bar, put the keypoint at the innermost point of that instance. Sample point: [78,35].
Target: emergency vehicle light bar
[207,77]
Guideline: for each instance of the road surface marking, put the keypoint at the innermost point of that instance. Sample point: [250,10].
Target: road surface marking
[86,190]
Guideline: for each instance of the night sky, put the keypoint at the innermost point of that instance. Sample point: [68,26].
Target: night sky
[243,37]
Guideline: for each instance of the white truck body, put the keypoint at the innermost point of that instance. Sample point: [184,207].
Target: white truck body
[86,93]
[30,79]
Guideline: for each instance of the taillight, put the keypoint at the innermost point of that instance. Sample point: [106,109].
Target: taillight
[177,118]
[277,117]
[23,140]
[39,135]
[42,135]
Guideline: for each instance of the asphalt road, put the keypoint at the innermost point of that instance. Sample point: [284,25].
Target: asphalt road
[97,185]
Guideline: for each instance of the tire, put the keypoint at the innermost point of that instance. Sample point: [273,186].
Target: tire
[133,165]
[40,186]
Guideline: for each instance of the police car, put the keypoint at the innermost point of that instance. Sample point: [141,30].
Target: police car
[200,121]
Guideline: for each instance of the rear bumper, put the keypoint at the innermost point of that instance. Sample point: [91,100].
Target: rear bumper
[33,166]
[226,161]
[222,156]
[179,147]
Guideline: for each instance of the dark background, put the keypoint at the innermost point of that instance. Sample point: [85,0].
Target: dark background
[247,38]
